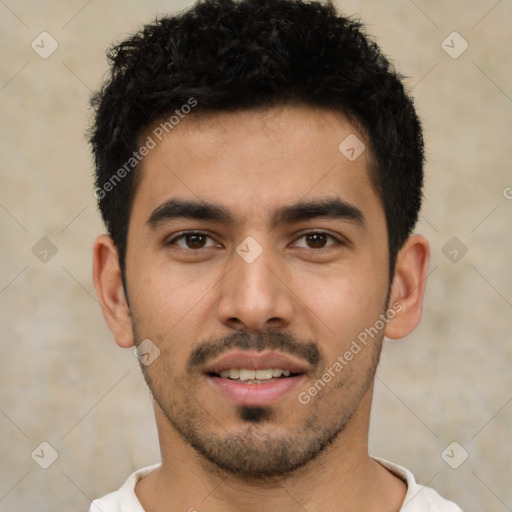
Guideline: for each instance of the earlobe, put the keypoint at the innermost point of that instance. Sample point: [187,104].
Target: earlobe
[109,288]
[408,287]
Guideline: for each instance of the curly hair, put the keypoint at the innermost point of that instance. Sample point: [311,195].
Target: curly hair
[231,55]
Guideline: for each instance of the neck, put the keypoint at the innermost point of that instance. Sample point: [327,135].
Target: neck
[342,478]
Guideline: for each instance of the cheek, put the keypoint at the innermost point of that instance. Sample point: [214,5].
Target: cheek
[344,306]
[152,286]
[166,304]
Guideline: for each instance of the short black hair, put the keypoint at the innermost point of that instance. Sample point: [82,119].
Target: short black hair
[229,55]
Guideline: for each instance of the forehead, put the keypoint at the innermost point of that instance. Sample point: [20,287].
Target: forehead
[253,161]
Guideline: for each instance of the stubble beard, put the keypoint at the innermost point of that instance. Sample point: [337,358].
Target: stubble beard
[260,450]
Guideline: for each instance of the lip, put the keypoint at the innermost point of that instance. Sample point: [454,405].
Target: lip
[255,394]
[252,360]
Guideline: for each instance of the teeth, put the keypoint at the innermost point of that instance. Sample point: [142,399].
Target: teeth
[246,375]
[264,374]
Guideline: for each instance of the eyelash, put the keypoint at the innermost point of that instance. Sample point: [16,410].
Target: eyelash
[320,250]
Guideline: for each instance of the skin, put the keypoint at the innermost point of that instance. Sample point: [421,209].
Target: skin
[317,291]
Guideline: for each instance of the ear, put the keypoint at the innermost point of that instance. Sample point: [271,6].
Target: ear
[408,287]
[109,287]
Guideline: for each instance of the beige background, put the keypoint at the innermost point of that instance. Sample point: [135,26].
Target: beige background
[64,381]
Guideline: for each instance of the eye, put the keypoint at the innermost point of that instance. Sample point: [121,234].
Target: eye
[193,240]
[317,240]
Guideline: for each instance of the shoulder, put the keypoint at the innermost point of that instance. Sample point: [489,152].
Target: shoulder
[419,498]
[124,499]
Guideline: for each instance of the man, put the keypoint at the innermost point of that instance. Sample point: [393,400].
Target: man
[259,169]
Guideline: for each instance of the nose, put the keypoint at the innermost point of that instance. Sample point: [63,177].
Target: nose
[255,296]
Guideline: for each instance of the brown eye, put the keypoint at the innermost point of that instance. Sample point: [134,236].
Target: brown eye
[195,241]
[317,240]
[191,240]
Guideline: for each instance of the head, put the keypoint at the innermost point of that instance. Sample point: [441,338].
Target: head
[248,122]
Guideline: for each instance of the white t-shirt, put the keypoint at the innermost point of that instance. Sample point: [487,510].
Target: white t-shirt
[418,498]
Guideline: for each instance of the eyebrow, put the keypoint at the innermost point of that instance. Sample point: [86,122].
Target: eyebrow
[331,208]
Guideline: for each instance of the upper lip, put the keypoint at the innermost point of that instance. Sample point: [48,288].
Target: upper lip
[252,360]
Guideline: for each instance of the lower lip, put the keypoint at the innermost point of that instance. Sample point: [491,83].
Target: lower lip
[264,393]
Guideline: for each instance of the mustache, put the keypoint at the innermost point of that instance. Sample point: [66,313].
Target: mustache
[274,340]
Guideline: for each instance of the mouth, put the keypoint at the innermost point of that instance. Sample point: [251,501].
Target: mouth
[255,379]
[248,376]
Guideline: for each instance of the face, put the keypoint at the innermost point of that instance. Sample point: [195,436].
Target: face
[257,254]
